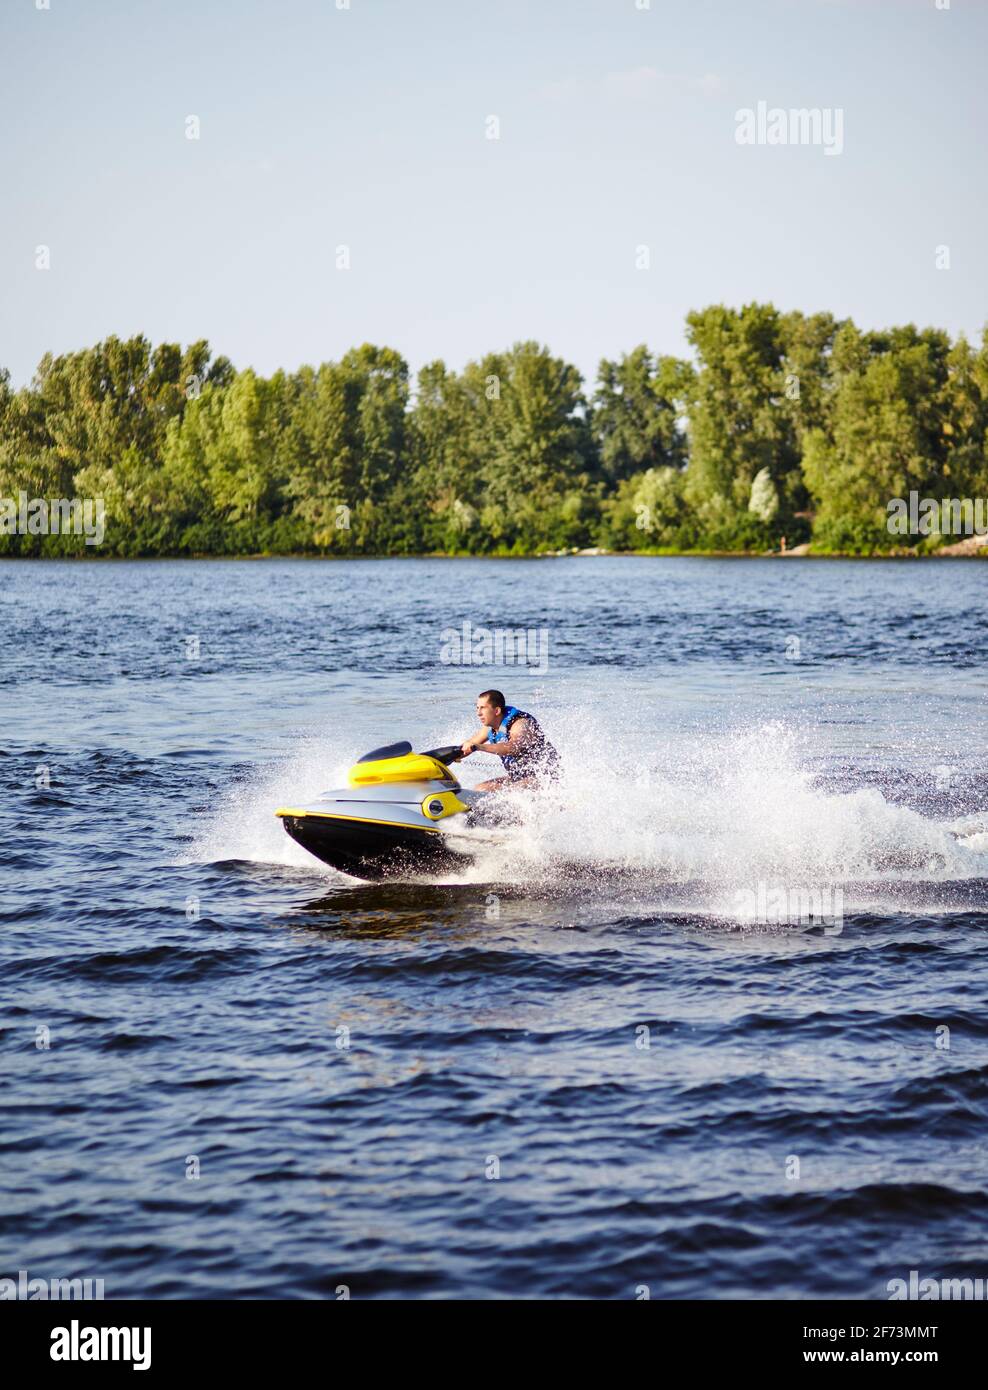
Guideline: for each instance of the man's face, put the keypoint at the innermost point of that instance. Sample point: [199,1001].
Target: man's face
[488,714]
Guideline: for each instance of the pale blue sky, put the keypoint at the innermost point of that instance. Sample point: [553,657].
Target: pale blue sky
[366,127]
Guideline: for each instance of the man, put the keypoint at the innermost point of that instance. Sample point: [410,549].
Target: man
[517,739]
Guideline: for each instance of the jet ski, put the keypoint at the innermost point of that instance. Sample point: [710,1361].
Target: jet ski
[402,813]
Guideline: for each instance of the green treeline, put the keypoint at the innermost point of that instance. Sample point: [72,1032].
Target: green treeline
[781,424]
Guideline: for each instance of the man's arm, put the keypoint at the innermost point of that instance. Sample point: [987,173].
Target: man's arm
[474,741]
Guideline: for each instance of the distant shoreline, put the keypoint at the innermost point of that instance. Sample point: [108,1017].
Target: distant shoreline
[962,550]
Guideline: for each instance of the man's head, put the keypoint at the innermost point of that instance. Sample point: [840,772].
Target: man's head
[490,708]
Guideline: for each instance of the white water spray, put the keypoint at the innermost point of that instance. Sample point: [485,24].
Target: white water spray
[726,812]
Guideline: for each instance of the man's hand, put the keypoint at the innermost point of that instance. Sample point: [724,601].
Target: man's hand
[474,742]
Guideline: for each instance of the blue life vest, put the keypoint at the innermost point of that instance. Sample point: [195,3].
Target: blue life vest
[501,735]
[540,753]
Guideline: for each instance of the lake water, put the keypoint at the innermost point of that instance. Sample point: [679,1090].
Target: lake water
[598,1060]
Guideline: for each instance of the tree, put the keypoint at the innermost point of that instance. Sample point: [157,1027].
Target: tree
[93,424]
[886,437]
[224,475]
[636,413]
[529,440]
[963,412]
[349,420]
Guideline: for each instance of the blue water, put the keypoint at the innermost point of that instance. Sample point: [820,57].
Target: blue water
[590,1063]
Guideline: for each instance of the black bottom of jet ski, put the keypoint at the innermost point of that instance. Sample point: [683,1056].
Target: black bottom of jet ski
[368,850]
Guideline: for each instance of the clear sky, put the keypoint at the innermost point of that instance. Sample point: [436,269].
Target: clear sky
[366,127]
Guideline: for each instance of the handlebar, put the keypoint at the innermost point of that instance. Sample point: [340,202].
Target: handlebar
[451,753]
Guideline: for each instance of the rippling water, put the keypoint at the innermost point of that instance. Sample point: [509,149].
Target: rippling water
[584,1066]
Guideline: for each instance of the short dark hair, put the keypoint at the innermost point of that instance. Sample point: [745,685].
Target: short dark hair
[496,698]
